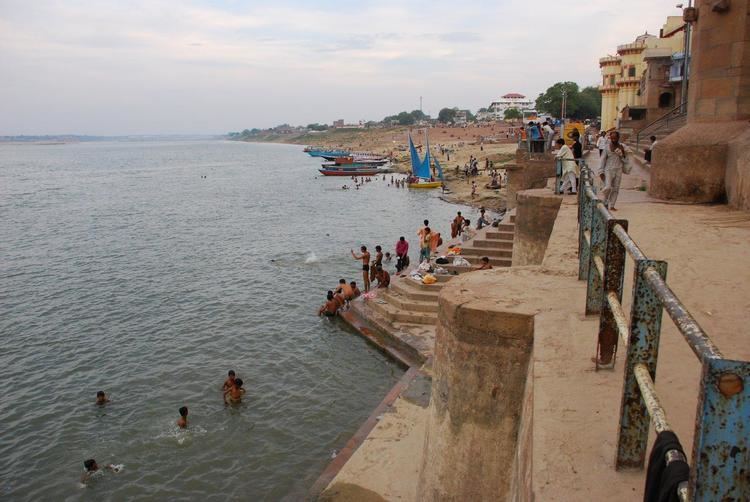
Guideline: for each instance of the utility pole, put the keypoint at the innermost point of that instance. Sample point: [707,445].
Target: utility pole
[562,107]
[420,103]
[685,58]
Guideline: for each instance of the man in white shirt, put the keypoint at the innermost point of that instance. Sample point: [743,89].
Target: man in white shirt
[569,166]
[601,143]
[549,133]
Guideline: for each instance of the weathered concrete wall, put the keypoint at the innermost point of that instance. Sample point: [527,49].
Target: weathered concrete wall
[738,171]
[482,352]
[521,487]
[535,217]
[697,162]
[529,171]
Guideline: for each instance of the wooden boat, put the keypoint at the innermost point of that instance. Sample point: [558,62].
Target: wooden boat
[425,184]
[349,171]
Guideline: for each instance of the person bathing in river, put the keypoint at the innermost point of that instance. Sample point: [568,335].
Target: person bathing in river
[355,289]
[91,467]
[457,225]
[329,309]
[234,395]
[365,258]
[229,382]
[101,398]
[182,421]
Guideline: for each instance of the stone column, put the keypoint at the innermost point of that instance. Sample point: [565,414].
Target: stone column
[535,217]
[706,160]
[482,353]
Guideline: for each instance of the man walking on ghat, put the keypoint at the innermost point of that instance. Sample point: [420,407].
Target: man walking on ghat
[365,257]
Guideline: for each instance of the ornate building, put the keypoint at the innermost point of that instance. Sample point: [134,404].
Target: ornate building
[625,76]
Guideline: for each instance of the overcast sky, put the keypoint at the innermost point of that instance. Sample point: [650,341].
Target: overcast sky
[162,66]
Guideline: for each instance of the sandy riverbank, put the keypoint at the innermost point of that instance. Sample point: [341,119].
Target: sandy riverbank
[482,142]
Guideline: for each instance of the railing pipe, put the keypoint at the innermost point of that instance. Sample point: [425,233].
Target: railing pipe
[698,340]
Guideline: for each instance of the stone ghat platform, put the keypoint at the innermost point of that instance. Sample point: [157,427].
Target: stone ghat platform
[560,444]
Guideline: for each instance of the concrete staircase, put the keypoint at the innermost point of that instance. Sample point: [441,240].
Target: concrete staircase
[410,302]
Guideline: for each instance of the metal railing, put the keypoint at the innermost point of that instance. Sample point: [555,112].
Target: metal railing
[721,444]
[676,113]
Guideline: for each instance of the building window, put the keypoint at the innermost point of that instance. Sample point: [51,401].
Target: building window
[631,71]
[612,80]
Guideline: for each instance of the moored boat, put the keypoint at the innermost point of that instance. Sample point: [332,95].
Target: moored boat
[349,171]
[325,152]
[420,169]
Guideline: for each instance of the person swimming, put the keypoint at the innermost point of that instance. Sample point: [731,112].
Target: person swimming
[101,398]
[182,422]
[229,382]
[234,395]
[91,468]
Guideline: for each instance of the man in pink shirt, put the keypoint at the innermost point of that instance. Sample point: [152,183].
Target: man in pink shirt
[402,254]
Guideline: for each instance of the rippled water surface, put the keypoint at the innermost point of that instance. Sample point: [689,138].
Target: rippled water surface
[123,269]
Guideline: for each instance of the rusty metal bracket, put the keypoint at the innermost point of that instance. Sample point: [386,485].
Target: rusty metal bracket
[721,448]
[643,348]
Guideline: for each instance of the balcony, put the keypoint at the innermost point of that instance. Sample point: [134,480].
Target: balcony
[609,61]
[631,47]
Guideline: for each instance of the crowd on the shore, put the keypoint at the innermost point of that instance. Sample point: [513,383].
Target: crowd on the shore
[374,268]
[396,181]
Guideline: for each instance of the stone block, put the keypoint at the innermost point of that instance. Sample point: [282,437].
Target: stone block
[690,164]
[535,217]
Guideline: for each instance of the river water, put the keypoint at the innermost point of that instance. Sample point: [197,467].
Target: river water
[124,269]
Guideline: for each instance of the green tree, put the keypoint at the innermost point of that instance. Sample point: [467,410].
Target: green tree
[551,100]
[405,118]
[317,127]
[512,114]
[481,110]
[470,117]
[589,103]
[418,115]
[447,115]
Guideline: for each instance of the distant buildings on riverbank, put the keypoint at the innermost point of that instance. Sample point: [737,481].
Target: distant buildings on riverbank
[644,79]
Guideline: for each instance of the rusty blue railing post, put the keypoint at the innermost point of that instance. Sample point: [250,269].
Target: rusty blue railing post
[721,446]
[596,250]
[585,207]
[643,348]
[614,273]
[558,176]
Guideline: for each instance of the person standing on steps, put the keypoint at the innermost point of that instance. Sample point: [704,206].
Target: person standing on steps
[612,163]
[601,143]
[565,156]
[365,258]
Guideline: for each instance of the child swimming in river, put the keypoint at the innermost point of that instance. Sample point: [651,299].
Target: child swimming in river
[182,421]
[229,382]
[234,394]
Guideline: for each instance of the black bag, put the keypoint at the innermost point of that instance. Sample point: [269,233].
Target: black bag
[442,261]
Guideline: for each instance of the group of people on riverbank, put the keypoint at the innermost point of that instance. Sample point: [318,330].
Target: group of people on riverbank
[232,392]
[395,181]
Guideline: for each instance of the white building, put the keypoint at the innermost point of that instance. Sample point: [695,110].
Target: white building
[510,100]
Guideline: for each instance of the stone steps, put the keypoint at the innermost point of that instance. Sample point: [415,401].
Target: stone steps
[415,290]
[492,243]
[489,252]
[499,235]
[396,314]
[405,303]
